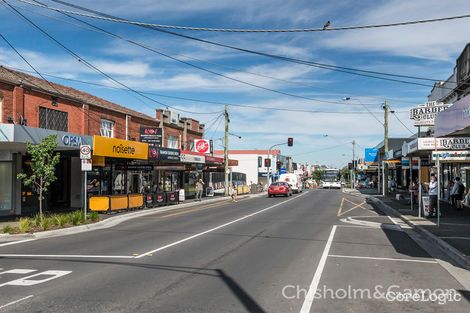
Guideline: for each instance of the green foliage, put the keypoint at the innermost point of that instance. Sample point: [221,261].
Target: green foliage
[43,163]
[7,229]
[345,172]
[318,175]
[46,223]
[25,224]
[37,220]
[94,217]
[61,220]
[76,218]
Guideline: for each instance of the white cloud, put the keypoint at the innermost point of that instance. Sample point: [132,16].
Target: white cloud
[441,41]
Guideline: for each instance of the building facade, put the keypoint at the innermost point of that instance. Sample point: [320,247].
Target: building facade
[32,108]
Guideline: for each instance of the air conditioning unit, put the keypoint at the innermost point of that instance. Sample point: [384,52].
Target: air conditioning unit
[174,117]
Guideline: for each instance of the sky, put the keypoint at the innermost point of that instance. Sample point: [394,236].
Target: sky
[324,136]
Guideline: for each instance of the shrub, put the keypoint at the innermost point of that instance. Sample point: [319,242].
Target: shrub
[61,220]
[94,217]
[46,223]
[76,217]
[37,220]
[7,229]
[25,224]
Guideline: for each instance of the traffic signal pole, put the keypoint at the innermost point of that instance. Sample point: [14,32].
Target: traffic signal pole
[385,165]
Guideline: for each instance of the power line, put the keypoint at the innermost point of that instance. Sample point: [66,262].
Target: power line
[213,102]
[286,30]
[91,66]
[348,70]
[293,82]
[401,122]
[159,52]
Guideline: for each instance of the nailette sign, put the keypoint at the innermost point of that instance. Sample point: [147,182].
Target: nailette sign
[118,148]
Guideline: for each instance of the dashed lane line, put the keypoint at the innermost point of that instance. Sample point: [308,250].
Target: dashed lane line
[381,259]
[15,302]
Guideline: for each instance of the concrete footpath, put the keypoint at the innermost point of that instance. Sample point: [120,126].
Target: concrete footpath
[118,218]
[452,237]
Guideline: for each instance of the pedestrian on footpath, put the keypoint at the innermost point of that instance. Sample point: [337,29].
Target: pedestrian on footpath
[457,193]
[199,189]
[433,190]
[233,194]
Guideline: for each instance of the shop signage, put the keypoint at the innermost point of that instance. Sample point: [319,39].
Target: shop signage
[134,167]
[151,135]
[425,114]
[72,140]
[164,154]
[456,143]
[214,160]
[463,155]
[170,167]
[202,146]
[371,155]
[188,157]
[85,152]
[118,148]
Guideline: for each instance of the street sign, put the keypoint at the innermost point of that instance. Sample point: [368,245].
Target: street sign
[85,152]
[86,165]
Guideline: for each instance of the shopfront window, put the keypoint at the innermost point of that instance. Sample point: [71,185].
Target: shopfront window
[5,187]
[173,142]
[107,128]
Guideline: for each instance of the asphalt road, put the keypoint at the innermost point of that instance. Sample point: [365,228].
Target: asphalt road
[256,255]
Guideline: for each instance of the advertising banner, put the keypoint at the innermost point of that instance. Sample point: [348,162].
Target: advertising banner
[425,114]
[202,146]
[164,154]
[151,135]
[371,155]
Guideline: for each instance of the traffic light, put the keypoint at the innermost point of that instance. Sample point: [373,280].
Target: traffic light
[260,161]
[278,165]
[267,162]
[290,141]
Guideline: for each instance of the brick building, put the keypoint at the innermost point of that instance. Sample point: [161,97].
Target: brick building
[32,108]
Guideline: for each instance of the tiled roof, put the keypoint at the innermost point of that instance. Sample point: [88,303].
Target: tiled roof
[14,77]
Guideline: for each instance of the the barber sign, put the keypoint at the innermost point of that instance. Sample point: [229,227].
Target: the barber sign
[202,146]
[425,114]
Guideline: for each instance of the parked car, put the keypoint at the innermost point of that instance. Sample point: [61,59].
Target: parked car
[279,188]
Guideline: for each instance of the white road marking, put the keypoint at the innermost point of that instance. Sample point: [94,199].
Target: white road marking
[216,228]
[463,238]
[27,281]
[19,271]
[357,226]
[16,301]
[391,218]
[16,242]
[381,259]
[307,305]
[65,256]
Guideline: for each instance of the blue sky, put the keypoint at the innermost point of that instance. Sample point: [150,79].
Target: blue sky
[426,50]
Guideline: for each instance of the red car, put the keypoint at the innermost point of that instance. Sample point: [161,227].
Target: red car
[279,188]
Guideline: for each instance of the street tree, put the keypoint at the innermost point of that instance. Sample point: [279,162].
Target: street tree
[318,175]
[43,163]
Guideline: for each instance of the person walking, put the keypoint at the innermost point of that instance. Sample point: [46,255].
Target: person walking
[234,192]
[433,190]
[199,189]
[457,193]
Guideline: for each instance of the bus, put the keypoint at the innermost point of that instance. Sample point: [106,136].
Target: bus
[331,178]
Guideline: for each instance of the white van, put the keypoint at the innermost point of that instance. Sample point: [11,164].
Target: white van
[293,180]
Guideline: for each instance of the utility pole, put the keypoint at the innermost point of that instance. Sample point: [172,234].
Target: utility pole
[353,176]
[385,165]
[226,170]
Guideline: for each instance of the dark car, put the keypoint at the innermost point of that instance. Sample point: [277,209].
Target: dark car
[279,188]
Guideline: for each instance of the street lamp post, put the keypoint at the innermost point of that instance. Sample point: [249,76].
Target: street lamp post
[269,157]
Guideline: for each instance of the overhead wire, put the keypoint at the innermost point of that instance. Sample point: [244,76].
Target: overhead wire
[93,67]
[100,15]
[286,30]
[159,52]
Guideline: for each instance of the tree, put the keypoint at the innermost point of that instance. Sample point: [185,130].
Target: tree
[345,173]
[43,163]
[318,175]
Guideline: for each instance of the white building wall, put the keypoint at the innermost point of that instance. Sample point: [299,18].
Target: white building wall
[248,164]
